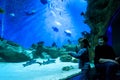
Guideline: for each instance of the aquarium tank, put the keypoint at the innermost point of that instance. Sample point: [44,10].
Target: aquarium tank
[37,35]
[29,22]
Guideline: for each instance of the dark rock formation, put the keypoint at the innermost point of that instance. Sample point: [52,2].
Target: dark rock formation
[99,13]
[98,16]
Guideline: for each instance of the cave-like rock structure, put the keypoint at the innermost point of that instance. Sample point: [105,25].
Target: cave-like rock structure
[98,16]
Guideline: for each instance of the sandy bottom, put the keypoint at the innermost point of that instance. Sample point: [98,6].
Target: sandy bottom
[53,71]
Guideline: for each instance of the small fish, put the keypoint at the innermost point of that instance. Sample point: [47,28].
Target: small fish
[68,33]
[55,29]
[44,2]
[82,13]
[31,62]
[54,44]
[30,12]
[40,63]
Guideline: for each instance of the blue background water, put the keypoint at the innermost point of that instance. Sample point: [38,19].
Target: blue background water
[29,21]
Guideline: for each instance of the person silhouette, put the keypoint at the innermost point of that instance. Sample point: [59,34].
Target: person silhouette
[105,60]
[83,55]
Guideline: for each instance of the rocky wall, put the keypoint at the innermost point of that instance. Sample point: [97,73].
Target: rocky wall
[98,16]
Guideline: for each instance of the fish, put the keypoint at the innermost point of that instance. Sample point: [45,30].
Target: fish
[68,33]
[30,12]
[44,1]
[49,61]
[58,23]
[31,62]
[55,29]
[54,44]
[82,13]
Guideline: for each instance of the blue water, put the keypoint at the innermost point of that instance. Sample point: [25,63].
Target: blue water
[29,21]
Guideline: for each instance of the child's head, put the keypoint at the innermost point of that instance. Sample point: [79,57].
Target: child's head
[84,42]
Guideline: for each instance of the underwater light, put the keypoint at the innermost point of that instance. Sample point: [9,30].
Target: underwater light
[58,23]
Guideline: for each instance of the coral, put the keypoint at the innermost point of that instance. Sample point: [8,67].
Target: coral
[12,52]
[65,58]
[67,68]
[75,60]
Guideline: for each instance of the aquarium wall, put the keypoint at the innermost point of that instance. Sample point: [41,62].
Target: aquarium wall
[115,32]
[26,22]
